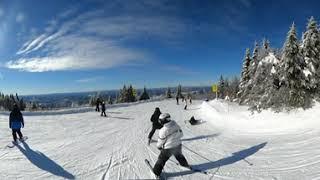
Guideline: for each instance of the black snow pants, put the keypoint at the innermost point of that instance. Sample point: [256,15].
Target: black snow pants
[164,156]
[97,108]
[14,134]
[153,130]
[103,113]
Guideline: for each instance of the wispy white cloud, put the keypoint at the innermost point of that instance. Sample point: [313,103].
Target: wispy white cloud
[89,80]
[163,28]
[31,44]
[179,70]
[73,53]
[68,12]
[93,41]
[20,17]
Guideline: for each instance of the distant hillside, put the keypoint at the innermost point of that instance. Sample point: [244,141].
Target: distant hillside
[59,100]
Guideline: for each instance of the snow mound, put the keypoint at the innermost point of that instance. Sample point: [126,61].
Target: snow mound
[230,116]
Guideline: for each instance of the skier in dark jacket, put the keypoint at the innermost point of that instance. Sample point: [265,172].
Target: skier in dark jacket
[98,102]
[16,122]
[193,121]
[155,124]
[103,109]
[185,107]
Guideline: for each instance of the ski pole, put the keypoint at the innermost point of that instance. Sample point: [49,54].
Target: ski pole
[244,159]
[197,154]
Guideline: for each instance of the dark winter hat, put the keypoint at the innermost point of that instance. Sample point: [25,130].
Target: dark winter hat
[15,107]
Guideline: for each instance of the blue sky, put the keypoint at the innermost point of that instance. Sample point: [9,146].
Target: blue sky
[71,46]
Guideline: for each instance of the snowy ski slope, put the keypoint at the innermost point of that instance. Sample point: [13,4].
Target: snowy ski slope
[232,143]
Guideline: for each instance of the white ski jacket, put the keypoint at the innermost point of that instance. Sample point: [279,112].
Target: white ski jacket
[169,135]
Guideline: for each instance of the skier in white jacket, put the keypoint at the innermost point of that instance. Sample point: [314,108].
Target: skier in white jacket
[169,142]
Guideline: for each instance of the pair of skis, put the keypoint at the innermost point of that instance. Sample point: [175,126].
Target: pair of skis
[191,169]
[151,169]
[13,144]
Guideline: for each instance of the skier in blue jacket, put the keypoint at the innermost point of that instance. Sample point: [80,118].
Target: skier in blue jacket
[16,122]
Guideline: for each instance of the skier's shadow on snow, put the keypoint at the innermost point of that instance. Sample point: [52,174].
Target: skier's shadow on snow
[200,137]
[237,156]
[43,162]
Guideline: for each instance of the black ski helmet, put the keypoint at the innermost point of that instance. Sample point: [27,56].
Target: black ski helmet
[164,118]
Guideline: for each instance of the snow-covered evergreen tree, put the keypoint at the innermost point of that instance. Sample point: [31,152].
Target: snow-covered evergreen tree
[234,87]
[265,49]
[168,93]
[144,95]
[110,101]
[179,91]
[311,53]
[254,61]
[291,75]
[227,87]
[266,43]
[245,76]
[131,96]
[221,87]
[263,89]
[123,95]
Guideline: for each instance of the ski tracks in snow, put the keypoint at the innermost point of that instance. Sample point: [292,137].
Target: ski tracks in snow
[106,173]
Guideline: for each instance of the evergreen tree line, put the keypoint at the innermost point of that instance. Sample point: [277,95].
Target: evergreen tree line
[198,94]
[283,79]
[129,94]
[7,101]
[107,99]
[126,94]
[228,87]
[178,93]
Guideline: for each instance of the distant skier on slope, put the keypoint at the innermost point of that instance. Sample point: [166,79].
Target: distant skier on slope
[193,121]
[177,98]
[155,123]
[169,143]
[98,104]
[103,109]
[16,122]
[185,107]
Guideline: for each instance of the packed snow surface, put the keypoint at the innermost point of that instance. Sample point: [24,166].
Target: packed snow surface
[231,143]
